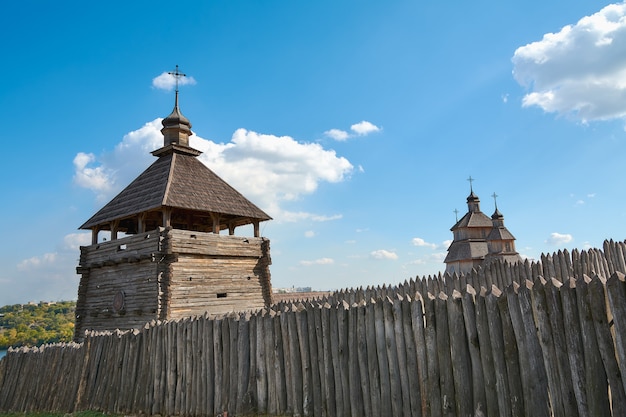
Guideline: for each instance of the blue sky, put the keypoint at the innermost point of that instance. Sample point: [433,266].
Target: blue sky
[353,124]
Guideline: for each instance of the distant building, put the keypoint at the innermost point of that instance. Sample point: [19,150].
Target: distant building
[479,239]
[173,261]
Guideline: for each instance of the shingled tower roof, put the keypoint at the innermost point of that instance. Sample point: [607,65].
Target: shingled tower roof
[179,188]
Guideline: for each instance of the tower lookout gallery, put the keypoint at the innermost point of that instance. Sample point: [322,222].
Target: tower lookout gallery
[172,262]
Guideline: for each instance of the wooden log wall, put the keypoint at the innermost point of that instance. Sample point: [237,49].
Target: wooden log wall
[538,339]
[126,268]
[215,273]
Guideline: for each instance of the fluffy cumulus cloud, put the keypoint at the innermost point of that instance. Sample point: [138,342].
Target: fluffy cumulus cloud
[358,129]
[166,81]
[418,241]
[383,254]
[559,239]
[88,176]
[579,71]
[269,170]
[106,174]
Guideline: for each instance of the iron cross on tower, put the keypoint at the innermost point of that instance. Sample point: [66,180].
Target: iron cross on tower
[471,180]
[495,196]
[177,75]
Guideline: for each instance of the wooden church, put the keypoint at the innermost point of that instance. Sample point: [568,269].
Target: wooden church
[166,258]
[478,239]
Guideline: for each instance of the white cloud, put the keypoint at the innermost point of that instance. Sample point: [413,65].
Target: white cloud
[37,262]
[269,170]
[321,261]
[95,178]
[383,254]
[559,239]
[418,241]
[74,241]
[363,128]
[337,134]
[309,233]
[107,174]
[166,81]
[579,71]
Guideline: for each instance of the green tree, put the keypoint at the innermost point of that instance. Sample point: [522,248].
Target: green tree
[36,324]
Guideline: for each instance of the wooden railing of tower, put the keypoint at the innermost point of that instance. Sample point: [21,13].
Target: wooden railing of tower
[544,338]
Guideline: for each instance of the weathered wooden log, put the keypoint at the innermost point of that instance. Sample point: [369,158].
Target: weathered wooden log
[226,370]
[511,355]
[392,358]
[419,338]
[415,397]
[270,355]
[597,304]
[616,291]
[430,332]
[243,360]
[315,352]
[574,346]
[497,348]
[478,384]
[356,381]
[328,373]
[279,366]
[383,363]
[372,358]
[539,403]
[261,365]
[344,367]
[595,375]
[296,364]
[546,340]
[362,358]
[461,360]
[446,377]
[398,340]
[302,327]
[218,353]
[335,358]
[486,356]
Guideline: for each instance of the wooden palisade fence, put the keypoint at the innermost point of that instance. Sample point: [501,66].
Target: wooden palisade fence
[545,338]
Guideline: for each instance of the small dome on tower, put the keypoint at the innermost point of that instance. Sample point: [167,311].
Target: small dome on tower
[176,127]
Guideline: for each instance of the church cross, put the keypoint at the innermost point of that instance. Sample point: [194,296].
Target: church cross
[456,214]
[177,75]
[495,201]
[471,180]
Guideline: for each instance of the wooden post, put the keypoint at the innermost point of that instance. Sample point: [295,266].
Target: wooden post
[473,345]
[616,290]
[498,348]
[574,345]
[605,344]
[595,375]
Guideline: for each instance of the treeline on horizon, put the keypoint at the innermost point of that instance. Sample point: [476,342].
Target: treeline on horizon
[36,324]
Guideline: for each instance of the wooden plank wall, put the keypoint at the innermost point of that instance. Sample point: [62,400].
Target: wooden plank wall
[127,265]
[552,343]
[216,273]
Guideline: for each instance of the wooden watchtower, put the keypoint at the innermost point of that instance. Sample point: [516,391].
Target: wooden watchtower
[172,261]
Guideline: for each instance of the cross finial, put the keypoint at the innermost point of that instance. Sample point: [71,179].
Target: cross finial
[456,214]
[495,201]
[471,180]
[177,75]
